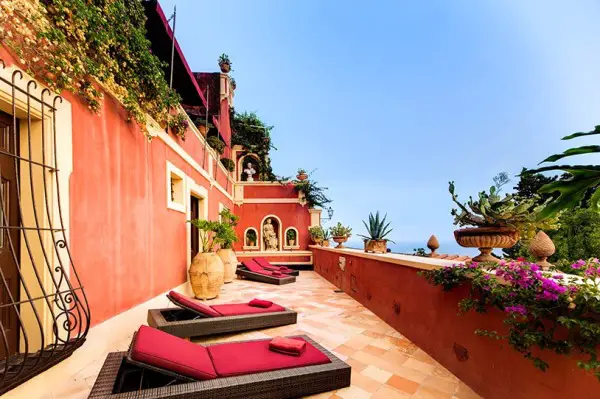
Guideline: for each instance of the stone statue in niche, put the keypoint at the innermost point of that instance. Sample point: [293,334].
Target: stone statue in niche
[250,172]
[270,236]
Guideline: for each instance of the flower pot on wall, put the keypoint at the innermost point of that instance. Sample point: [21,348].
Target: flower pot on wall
[229,263]
[203,129]
[325,243]
[340,241]
[291,243]
[206,275]
[486,239]
[376,246]
[225,67]
[302,176]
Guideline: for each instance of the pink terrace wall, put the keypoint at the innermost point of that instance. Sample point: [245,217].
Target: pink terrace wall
[428,317]
[127,246]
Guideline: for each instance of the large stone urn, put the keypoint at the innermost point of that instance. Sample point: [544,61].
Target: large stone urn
[229,263]
[486,239]
[206,275]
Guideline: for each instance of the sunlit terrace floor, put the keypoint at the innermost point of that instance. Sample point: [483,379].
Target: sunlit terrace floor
[384,363]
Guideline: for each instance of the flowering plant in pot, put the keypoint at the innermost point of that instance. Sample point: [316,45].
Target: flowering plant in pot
[543,311]
[225,237]
[207,269]
[316,234]
[340,234]
[499,222]
[224,63]
[178,124]
[302,175]
[377,230]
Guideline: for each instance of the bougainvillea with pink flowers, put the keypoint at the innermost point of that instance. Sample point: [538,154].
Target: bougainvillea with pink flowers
[543,309]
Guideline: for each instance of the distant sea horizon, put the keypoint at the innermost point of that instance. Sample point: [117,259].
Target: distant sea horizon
[408,248]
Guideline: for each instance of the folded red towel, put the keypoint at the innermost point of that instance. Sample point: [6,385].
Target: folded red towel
[260,303]
[275,273]
[287,346]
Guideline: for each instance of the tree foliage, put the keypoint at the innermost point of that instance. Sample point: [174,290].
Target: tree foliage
[254,135]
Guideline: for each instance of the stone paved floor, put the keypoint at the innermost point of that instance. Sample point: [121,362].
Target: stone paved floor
[384,363]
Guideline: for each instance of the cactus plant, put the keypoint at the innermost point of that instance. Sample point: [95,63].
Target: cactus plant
[377,229]
[493,210]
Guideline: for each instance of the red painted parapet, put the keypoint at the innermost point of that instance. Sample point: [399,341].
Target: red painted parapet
[428,317]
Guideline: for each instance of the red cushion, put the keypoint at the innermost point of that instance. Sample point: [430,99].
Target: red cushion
[165,351]
[236,309]
[288,346]
[239,358]
[260,303]
[256,268]
[192,304]
[267,265]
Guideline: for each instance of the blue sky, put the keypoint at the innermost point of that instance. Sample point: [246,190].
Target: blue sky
[389,100]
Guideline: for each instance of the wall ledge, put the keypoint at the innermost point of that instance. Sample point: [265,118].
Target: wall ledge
[417,262]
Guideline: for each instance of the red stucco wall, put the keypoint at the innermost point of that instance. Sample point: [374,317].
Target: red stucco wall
[270,191]
[428,317]
[127,245]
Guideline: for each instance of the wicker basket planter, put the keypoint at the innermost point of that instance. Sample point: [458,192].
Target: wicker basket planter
[206,275]
[376,246]
[340,241]
[486,239]
[230,262]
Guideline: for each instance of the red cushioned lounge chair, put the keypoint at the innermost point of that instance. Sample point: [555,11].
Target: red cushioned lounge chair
[253,271]
[192,318]
[159,365]
[265,264]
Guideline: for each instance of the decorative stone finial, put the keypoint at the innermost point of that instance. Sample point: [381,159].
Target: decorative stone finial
[541,248]
[433,244]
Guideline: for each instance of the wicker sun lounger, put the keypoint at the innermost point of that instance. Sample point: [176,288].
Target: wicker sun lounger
[261,275]
[123,378]
[185,321]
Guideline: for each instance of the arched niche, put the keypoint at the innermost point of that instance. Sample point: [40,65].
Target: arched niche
[266,231]
[251,234]
[243,164]
[291,238]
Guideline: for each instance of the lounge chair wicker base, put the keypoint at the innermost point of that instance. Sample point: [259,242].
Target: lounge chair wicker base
[184,323]
[263,278]
[288,383]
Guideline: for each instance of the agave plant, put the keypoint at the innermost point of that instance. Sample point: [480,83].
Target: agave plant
[377,229]
[493,210]
[584,181]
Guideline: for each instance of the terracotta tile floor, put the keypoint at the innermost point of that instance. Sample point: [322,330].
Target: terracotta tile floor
[384,363]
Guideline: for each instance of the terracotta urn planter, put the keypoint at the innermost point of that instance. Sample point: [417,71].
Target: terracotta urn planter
[340,241]
[302,176]
[203,129]
[206,275]
[225,67]
[486,239]
[291,243]
[252,243]
[229,263]
[325,243]
[376,246]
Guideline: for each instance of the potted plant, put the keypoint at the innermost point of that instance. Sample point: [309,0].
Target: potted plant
[291,237]
[225,237]
[326,238]
[377,230]
[233,83]
[316,234]
[228,164]
[207,269]
[251,238]
[302,175]
[224,63]
[499,222]
[203,126]
[178,124]
[340,234]
[216,144]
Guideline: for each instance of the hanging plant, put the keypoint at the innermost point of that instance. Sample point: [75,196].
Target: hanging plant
[83,42]
[228,164]
[216,144]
